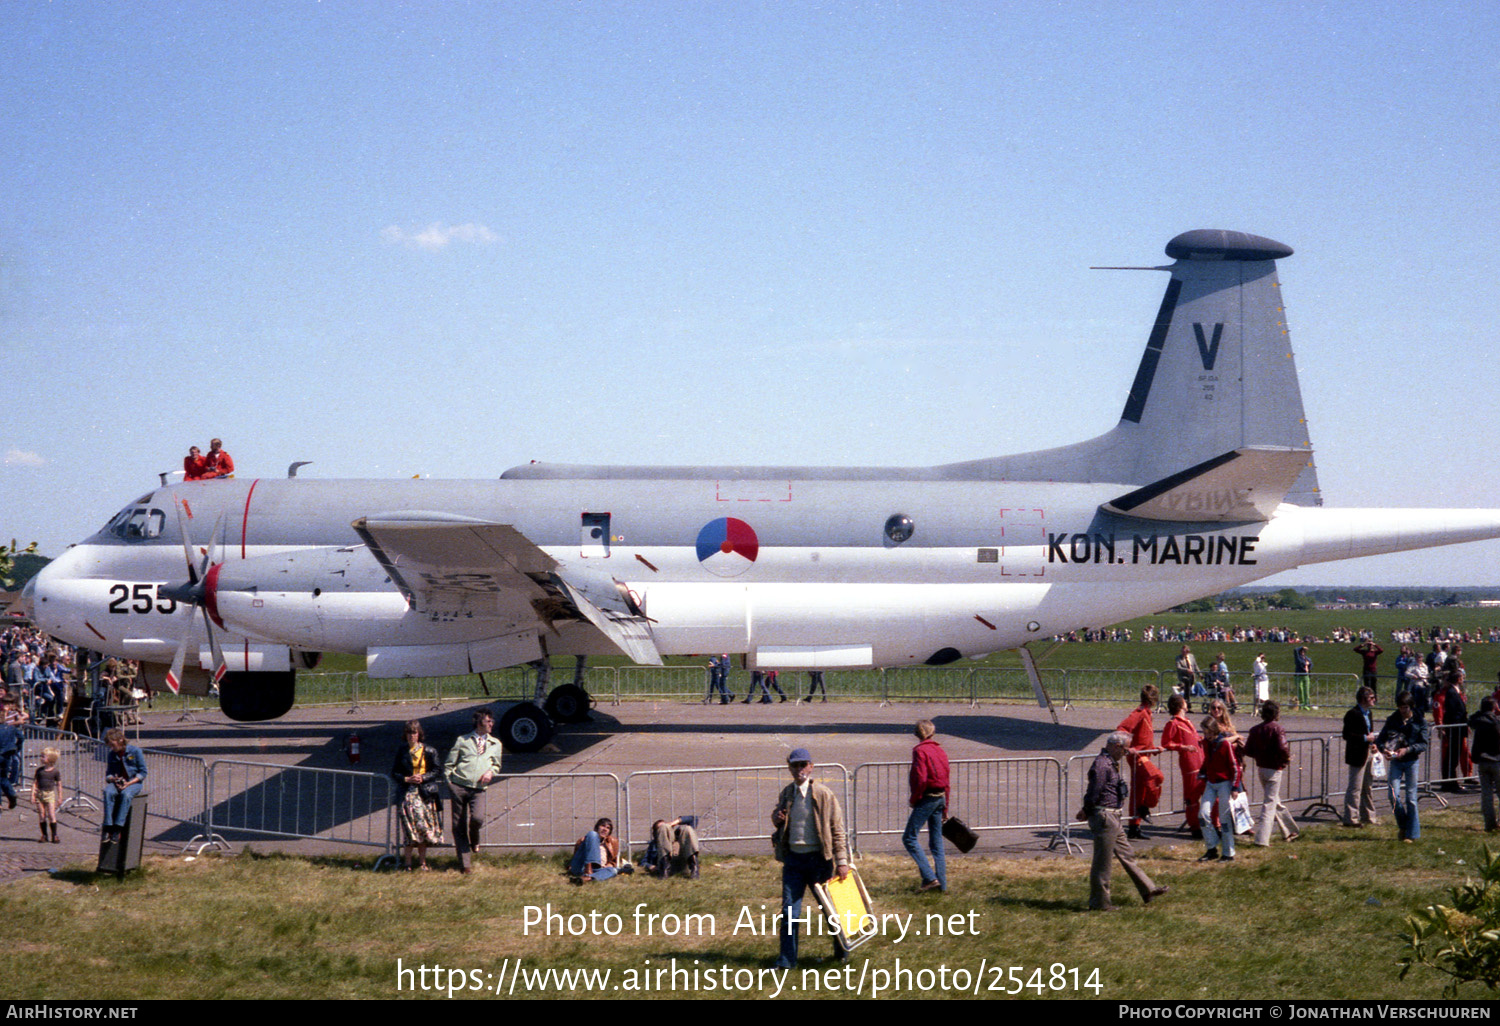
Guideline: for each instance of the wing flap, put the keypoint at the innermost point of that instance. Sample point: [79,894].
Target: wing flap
[628,632]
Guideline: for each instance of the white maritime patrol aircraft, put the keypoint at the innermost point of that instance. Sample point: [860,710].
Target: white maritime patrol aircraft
[1206,483]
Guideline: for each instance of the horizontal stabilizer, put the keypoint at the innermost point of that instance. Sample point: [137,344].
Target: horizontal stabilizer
[1243,485]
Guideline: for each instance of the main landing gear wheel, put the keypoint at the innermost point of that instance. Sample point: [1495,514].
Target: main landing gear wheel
[525,728]
[569,703]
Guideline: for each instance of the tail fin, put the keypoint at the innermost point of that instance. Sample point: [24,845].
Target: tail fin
[1217,376]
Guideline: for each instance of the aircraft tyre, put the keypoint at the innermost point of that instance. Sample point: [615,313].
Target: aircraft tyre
[524,728]
[252,697]
[569,703]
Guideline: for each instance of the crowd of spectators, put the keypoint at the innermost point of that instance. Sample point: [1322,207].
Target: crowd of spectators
[1189,634]
[40,676]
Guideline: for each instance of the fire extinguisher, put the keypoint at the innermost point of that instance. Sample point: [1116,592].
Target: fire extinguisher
[351,747]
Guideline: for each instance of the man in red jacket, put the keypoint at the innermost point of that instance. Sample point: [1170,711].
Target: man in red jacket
[929,802]
[218,463]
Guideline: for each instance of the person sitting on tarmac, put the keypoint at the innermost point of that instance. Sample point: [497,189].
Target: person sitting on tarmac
[673,848]
[596,856]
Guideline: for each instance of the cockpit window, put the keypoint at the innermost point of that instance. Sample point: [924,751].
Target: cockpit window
[137,523]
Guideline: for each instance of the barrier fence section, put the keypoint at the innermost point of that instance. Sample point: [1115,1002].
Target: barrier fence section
[658,682]
[913,683]
[1305,779]
[74,757]
[1086,685]
[732,803]
[987,794]
[176,784]
[299,802]
[1325,690]
[1443,762]
[897,684]
[997,684]
[923,683]
[547,810]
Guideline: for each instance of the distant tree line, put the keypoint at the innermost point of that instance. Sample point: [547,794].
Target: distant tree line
[1257,598]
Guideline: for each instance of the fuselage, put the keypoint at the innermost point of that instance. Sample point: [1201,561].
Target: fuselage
[793,571]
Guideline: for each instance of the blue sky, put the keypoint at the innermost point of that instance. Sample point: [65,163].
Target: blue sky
[447,238]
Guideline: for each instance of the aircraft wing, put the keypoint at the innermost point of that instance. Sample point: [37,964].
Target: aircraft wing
[1241,485]
[447,564]
[452,566]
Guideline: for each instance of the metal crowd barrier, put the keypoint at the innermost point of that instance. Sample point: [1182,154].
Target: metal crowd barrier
[993,683]
[1088,685]
[1332,691]
[1443,762]
[73,754]
[898,684]
[657,682]
[732,803]
[548,810]
[1305,779]
[177,784]
[301,802]
[988,794]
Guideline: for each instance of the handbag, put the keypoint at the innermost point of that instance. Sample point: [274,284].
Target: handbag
[1379,768]
[958,832]
[1239,807]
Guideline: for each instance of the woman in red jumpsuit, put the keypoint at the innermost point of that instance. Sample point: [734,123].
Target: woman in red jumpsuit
[1145,790]
[1180,736]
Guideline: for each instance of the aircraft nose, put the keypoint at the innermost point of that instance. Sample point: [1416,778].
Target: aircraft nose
[47,598]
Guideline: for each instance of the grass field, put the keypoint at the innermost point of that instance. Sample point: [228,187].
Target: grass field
[1318,919]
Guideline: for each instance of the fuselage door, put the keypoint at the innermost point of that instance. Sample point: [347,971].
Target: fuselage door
[594,540]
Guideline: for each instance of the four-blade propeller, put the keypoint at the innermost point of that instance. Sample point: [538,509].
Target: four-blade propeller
[196,594]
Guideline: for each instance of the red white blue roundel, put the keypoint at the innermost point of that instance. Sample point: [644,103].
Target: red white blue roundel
[727,546]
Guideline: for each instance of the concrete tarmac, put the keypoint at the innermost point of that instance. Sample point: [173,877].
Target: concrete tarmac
[623,739]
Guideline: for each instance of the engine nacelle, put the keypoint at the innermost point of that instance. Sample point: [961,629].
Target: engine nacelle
[333,600]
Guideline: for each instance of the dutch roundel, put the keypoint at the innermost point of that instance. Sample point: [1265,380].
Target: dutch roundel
[727,546]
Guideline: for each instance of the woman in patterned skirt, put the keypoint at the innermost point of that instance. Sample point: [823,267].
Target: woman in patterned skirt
[418,770]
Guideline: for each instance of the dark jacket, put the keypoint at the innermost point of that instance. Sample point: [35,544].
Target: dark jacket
[402,768]
[1356,748]
[1410,734]
[1267,746]
[1106,788]
[1485,745]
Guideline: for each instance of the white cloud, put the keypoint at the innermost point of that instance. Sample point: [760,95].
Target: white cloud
[437,236]
[21,458]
